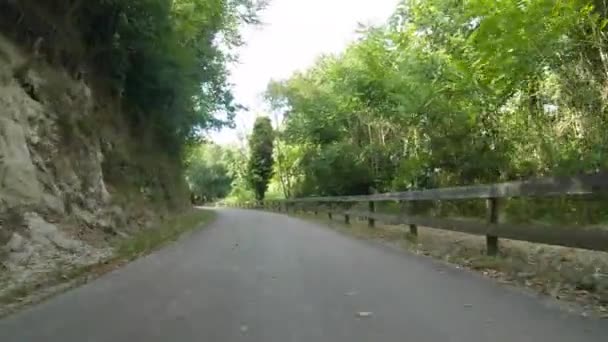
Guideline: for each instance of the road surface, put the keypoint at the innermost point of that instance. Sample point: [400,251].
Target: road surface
[264,277]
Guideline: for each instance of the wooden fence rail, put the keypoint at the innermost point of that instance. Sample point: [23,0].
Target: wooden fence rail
[494,194]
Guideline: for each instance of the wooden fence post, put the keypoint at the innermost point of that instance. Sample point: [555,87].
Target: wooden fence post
[329,207]
[413,230]
[410,210]
[371,222]
[493,207]
[346,217]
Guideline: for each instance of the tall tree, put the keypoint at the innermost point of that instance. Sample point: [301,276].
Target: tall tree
[261,144]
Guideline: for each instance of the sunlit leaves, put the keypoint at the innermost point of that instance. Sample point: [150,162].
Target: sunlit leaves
[453,92]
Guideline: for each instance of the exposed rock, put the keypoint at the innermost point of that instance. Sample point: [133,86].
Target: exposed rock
[118,216]
[55,204]
[84,216]
[18,182]
[44,233]
[21,257]
[15,244]
[9,58]
[601,281]
[56,210]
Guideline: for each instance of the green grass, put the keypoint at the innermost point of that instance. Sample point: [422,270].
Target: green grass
[128,249]
[146,241]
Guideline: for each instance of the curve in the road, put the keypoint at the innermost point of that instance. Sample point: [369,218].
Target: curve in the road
[264,277]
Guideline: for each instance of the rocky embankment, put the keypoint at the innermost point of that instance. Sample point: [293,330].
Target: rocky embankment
[58,140]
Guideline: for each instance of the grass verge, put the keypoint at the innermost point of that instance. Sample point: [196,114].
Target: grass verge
[577,278]
[149,240]
[125,250]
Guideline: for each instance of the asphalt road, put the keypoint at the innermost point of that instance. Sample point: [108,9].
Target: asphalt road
[264,277]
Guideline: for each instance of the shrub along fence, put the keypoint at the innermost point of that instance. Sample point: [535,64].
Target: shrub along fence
[492,228]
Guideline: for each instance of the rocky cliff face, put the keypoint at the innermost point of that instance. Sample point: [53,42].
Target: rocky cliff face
[56,140]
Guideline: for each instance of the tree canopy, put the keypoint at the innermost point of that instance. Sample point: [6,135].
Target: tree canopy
[450,93]
[165,59]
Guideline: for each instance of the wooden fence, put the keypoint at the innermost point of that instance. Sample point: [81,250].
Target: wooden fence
[493,228]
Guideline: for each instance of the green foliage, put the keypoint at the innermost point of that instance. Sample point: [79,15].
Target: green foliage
[287,168]
[450,93]
[207,172]
[166,59]
[217,172]
[261,161]
[146,241]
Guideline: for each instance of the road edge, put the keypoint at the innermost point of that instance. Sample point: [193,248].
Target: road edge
[195,219]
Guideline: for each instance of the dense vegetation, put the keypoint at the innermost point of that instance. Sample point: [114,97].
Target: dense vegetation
[236,174]
[216,172]
[450,92]
[260,164]
[209,172]
[165,59]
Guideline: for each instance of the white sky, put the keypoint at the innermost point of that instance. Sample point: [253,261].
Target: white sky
[294,34]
